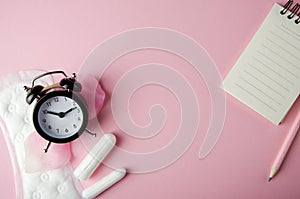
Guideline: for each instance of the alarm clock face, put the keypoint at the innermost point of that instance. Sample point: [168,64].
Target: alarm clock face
[60,116]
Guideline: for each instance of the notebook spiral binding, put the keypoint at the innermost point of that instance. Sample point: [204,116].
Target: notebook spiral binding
[294,10]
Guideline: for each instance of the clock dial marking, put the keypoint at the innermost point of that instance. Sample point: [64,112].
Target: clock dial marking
[61,117]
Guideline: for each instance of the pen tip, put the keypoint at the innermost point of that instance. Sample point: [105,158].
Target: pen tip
[269,179]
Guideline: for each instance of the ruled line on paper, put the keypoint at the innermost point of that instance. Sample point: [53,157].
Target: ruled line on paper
[271,69]
[280,65]
[269,77]
[271,40]
[260,90]
[286,51]
[294,35]
[264,83]
[254,96]
[284,40]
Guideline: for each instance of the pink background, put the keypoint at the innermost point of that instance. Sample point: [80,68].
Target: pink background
[60,34]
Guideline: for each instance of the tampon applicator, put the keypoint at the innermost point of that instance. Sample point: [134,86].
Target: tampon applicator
[93,159]
[104,183]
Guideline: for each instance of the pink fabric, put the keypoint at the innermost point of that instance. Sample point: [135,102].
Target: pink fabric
[58,155]
[93,94]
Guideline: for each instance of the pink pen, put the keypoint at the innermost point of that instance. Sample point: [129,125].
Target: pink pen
[285,147]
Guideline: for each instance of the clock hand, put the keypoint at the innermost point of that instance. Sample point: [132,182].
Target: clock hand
[53,113]
[60,114]
[71,109]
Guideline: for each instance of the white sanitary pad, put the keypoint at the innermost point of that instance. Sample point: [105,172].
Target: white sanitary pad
[16,125]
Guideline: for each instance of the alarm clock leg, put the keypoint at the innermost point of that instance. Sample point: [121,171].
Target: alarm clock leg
[46,149]
[90,132]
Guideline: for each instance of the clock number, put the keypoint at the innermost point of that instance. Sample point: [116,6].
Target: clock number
[45,111]
[50,127]
[44,120]
[48,104]
[66,99]
[56,99]
[57,130]
[78,111]
[79,118]
[66,130]
[74,125]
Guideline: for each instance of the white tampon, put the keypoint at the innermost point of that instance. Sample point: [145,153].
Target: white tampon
[104,183]
[90,163]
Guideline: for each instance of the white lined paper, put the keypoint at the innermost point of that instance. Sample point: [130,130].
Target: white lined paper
[266,77]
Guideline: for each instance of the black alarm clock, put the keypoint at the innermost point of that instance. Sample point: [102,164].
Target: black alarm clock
[60,114]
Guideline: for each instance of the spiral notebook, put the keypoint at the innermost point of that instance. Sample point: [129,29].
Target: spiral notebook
[266,77]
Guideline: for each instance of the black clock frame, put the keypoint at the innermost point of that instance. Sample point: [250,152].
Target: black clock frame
[64,93]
